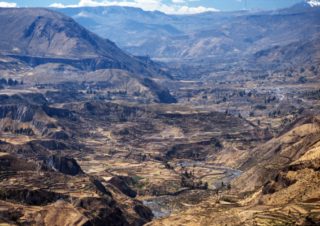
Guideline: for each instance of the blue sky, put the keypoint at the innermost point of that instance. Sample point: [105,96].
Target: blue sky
[169,6]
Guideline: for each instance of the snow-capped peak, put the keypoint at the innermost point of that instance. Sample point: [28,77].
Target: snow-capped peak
[313,3]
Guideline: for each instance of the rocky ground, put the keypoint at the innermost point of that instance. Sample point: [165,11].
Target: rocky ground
[92,135]
[248,158]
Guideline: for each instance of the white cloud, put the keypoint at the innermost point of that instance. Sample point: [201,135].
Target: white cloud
[193,10]
[314,3]
[7,5]
[148,5]
[57,5]
[178,1]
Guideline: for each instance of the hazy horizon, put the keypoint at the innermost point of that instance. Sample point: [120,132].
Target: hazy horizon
[166,6]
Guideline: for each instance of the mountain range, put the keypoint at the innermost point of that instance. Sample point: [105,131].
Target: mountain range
[192,36]
[203,120]
[212,38]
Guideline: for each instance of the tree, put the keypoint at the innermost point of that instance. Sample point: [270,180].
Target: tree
[302,79]
[242,93]
[10,82]
[206,186]
[3,81]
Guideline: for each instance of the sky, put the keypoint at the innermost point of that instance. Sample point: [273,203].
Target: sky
[167,6]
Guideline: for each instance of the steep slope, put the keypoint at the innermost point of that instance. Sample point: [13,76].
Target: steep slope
[282,153]
[279,186]
[39,36]
[41,182]
[38,42]
[31,195]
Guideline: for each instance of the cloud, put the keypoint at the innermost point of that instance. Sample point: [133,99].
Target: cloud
[313,3]
[175,7]
[57,5]
[7,5]
[178,1]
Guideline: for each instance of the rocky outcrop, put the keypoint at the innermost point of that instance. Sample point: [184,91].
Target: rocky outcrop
[59,135]
[62,164]
[161,93]
[311,164]
[21,113]
[59,113]
[121,184]
[279,182]
[100,188]
[143,212]
[102,211]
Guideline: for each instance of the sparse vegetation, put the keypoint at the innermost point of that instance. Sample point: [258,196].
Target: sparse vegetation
[9,82]
[218,126]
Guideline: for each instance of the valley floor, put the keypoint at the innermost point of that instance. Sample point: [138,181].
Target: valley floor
[239,156]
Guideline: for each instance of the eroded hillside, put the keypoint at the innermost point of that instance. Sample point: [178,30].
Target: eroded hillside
[281,187]
[91,135]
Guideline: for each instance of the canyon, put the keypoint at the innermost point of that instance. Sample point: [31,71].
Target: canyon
[204,119]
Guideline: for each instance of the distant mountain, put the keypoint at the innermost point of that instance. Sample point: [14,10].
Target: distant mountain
[43,46]
[203,44]
[198,36]
[144,32]
[301,52]
[38,36]
[304,5]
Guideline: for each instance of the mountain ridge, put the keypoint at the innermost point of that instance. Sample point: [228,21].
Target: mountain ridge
[42,33]
[173,36]
[44,45]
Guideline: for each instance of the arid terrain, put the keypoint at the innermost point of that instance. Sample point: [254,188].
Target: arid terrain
[93,135]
